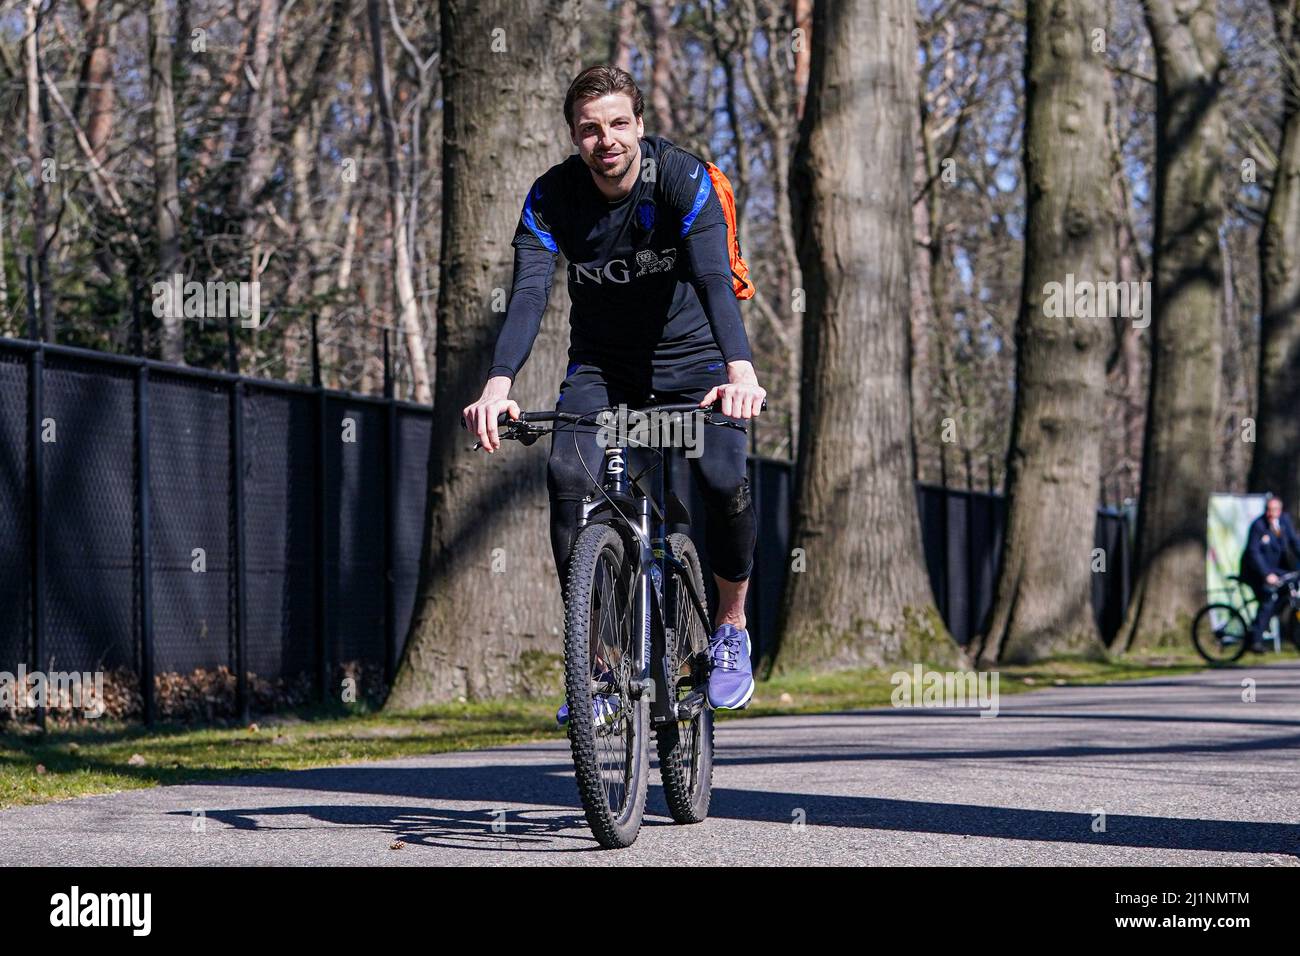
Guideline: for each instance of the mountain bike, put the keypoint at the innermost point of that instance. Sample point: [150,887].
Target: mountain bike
[1221,629]
[636,634]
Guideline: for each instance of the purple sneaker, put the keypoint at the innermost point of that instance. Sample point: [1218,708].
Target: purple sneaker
[731,680]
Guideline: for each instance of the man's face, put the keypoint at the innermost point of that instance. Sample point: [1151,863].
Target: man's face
[1273,509]
[607,134]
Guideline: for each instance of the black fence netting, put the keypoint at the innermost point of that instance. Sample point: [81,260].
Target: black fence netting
[961,533]
[142,574]
[961,537]
[15,545]
[189,484]
[279,488]
[333,519]
[409,494]
[354,440]
[1113,573]
[88,444]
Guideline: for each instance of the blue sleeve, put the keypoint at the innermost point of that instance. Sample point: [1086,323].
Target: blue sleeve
[1253,555]
[530,289]
[686,187]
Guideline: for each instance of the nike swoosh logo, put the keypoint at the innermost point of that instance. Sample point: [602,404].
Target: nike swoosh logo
[697,171]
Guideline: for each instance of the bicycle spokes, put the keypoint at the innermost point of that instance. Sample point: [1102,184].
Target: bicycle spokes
[612,661]
[689,674]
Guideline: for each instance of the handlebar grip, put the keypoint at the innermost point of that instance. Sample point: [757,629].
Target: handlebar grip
[717,406]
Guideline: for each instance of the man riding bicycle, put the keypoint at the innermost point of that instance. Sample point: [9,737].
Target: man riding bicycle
[1272,548]
[654,318]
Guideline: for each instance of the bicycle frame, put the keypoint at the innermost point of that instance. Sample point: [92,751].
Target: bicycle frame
[652,561]
[644,528]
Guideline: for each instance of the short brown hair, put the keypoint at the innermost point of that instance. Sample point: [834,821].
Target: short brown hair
[602,80]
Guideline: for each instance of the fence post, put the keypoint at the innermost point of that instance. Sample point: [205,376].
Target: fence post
[945,598]
[972,584]
[143,504]
[36,507]
[137,323]
[390,522]
[33,323]
[232,347]
[238,564]
[319,571]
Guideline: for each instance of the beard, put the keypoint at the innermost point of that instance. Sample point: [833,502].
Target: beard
[615,172]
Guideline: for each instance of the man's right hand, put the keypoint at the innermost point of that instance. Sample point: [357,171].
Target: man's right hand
[481,417]
[1272,580]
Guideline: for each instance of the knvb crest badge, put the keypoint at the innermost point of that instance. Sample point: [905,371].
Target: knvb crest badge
[645,215]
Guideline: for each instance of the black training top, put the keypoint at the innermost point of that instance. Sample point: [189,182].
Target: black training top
[649,274]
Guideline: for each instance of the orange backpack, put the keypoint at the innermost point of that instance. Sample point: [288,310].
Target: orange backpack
[740,281]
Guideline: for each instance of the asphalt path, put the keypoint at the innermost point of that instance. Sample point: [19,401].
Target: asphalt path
[1177,770]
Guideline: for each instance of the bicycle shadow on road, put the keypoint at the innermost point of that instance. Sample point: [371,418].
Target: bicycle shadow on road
[514,807]
[535,808]
[492,830]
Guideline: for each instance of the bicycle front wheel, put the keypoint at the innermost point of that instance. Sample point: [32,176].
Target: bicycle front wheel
[686,746]
[1220,633]
[607,726]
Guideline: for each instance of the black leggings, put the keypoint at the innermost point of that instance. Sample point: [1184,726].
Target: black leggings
[719,470]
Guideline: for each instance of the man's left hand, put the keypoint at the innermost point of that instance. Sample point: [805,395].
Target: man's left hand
[742,396]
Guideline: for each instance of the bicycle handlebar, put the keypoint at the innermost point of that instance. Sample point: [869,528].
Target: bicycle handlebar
[529,435]
[530,417]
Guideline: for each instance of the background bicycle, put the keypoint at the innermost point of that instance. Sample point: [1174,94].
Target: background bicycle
[1221,629]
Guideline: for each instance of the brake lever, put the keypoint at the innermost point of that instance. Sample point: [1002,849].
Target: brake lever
[512,429]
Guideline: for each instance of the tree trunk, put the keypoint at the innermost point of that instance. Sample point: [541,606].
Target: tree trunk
[488,614]
[946,382]
[1128,384]
[408,309]
[1180,450]
[1043,605]
[622,41]
[96,84]
[36,154]
[925,427]
[802,10]
[167,197]
[863,597]
[4,279]
[259,160]
[1276,465]
[95,99]
[661,74]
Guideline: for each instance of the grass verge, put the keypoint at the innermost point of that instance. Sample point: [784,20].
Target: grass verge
[105,757]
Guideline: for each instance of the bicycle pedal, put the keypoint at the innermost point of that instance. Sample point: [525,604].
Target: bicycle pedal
[604,710]
[702,659]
